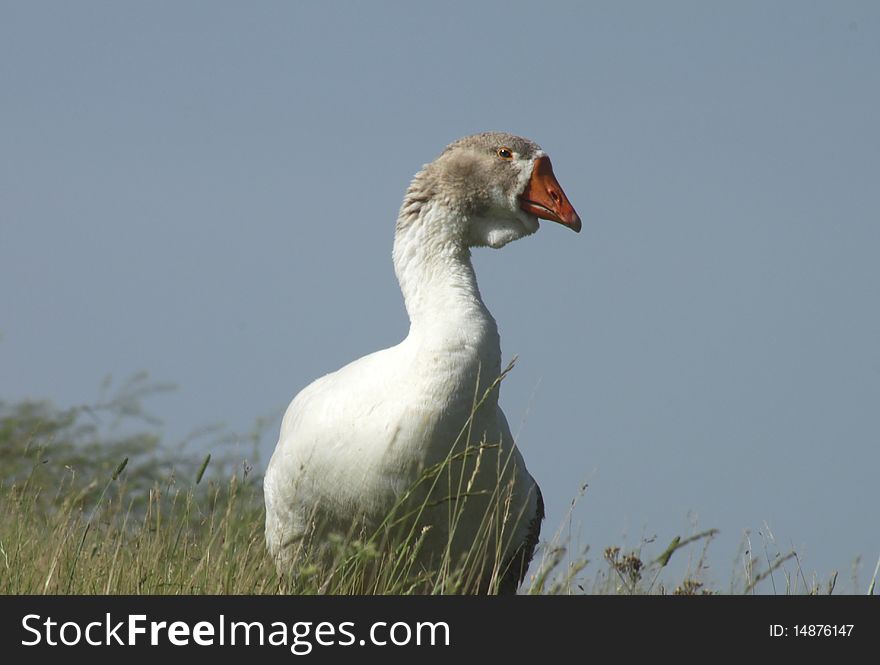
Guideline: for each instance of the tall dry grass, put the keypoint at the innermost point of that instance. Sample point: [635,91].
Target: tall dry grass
[84,510]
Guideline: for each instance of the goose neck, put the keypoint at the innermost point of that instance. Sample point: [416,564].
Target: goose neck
[433,266]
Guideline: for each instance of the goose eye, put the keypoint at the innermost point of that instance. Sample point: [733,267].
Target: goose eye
[505,153]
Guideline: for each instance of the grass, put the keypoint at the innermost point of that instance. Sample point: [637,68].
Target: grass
[83,512]
[207,538]
[172,542]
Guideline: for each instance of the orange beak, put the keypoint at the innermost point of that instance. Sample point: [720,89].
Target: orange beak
[544,198]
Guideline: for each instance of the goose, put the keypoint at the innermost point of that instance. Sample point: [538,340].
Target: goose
[355,443]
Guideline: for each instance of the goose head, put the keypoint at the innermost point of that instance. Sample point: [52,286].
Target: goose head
[494,188]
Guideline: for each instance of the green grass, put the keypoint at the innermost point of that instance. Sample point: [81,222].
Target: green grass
[169,542]
[207,538]
[85,510]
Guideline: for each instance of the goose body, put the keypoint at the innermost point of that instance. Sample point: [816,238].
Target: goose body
[354,443]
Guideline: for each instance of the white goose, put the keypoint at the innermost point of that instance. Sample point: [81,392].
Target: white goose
[356,442]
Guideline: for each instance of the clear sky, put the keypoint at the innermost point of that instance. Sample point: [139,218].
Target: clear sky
[208,190]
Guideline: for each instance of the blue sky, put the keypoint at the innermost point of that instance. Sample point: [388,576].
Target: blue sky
[207,191]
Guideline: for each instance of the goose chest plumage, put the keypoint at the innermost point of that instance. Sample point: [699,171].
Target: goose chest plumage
[416,429]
